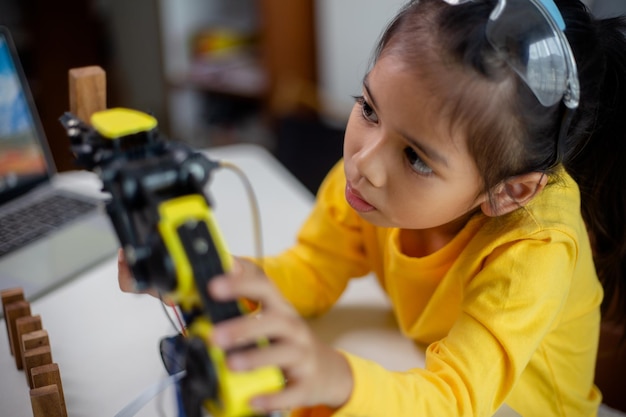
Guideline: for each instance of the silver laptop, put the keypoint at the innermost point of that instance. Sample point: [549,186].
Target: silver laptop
[48,235]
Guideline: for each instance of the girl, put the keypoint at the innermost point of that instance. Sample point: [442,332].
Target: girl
[465,169]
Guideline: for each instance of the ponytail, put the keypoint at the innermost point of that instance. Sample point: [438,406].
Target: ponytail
[597,160]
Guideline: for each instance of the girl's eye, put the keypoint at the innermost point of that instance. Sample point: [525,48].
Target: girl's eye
[416,162]
[367,111]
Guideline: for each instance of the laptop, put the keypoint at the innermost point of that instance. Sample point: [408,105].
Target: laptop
[48,233]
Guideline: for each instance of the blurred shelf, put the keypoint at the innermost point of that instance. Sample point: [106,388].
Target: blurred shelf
[240,49]
[238,75]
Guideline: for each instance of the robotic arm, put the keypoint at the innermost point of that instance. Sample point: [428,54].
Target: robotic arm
[165,224]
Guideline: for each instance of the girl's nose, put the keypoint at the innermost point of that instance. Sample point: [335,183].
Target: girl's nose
[370,162]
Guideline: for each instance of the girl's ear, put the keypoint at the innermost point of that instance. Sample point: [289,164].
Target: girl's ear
[513,193]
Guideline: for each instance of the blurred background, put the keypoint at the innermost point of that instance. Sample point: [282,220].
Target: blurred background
[278,73]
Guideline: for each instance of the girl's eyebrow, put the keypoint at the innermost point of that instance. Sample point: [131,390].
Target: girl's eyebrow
[366,86]
[430,153]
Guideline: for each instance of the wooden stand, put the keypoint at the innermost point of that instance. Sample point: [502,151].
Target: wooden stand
[87,91]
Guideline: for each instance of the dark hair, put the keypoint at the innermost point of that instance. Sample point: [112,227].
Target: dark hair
[511,123]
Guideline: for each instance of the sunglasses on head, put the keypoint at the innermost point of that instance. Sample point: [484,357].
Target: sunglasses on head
[529,34]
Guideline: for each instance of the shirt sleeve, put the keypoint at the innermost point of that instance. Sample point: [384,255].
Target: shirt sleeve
[328,252]
[508,309]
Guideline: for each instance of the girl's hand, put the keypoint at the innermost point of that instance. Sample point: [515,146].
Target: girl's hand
[315,373]
[125,277]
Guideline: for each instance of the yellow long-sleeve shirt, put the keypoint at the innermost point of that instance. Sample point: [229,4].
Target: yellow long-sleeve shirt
[509,308]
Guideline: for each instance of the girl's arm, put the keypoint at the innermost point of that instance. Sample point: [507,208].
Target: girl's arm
[470,372]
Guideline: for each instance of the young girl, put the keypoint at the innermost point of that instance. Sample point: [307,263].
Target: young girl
[465,169]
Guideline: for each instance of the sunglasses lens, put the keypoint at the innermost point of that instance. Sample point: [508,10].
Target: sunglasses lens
[535,48]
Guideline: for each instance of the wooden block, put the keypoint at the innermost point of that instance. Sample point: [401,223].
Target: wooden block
[25,325]
[46,402]
[15,311]
[9,296]
[49,375]
[35,339]
[87,91]
[36,357]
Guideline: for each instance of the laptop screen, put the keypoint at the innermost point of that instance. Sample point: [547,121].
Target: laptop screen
[23,162]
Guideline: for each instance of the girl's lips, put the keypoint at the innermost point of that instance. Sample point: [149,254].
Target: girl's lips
[356,202]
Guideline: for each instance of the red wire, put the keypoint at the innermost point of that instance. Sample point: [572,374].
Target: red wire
[180,321]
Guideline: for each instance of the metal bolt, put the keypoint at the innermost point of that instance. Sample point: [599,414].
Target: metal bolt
[201,246]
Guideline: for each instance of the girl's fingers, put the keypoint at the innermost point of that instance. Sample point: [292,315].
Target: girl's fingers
[288,398]
[124,276]
[299,372]
[325,380]
[248,329]
[280,355]
[293,347]
[235,286]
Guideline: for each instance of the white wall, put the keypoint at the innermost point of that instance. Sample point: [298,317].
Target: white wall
[178,21]
[347,31]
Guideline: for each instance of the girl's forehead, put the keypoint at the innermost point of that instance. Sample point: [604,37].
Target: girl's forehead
[401,83]
[390,72]
[429,75]
[460,101]
[411,102]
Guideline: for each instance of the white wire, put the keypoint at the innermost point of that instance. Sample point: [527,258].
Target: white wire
[148,394]
[254,207]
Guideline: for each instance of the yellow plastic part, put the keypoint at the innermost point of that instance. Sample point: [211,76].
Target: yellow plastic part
[118,122]
[173,214]
[236,389]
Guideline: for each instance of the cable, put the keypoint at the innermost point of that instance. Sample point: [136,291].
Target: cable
[148,394]
[181,325]
[167,313]
[254,207]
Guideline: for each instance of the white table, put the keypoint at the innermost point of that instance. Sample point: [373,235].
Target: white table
[106,341]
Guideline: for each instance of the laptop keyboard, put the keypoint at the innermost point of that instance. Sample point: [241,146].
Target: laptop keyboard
[24,226]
